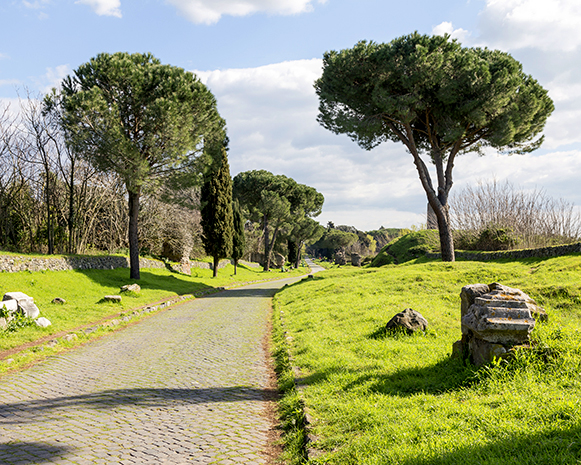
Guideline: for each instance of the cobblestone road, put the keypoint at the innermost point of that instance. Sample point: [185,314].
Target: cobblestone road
[188,385]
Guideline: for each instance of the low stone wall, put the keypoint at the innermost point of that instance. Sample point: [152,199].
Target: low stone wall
[13,264]
[543,252]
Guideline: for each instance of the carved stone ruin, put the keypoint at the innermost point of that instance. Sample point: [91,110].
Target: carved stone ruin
[355,259]
[494,320]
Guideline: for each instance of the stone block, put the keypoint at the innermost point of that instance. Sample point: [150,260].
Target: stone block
[43,322]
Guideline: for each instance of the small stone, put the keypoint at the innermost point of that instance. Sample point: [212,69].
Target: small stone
[112,298]
[50,344]
[3,323]
[131,288]
[43,322]
[409,320]
[59,301]
[70,337]
[8,361]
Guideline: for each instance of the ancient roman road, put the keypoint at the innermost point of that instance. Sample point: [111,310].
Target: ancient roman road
[187,385]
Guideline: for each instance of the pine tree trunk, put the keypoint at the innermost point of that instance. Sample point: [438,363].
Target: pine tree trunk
[446,240]
[216,263]
[266,247]
[235,266]
[299,247]
[133,234]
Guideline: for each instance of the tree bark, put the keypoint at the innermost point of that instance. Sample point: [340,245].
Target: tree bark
[215,270]
[299,248]
[446,239]
[266,246]
[133,234]
[235,266]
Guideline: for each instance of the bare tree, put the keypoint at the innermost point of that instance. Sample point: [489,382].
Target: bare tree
[532,218]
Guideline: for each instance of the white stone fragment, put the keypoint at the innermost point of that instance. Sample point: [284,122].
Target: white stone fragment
[43,322]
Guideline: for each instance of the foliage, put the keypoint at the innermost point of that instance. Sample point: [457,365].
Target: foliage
[437,98]
[408,247]
[144,121]
[279,203]
[385,400]
[216,199]
[491,238]
[15,320]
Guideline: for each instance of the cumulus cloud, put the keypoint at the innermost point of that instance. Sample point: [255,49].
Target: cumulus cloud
[54,77]
[271,115]
[447,28]
[542,24]
[210,11]
[104,7]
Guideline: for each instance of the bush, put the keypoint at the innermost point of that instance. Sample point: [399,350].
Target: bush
[408,247]
[489,239]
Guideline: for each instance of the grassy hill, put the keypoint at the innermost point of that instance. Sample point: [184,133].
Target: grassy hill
[379,399]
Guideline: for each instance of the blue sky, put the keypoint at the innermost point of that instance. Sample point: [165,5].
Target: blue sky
[260,58]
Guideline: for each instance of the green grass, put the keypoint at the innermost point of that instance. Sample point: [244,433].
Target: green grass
[84,289]
[378,399]
[408,247]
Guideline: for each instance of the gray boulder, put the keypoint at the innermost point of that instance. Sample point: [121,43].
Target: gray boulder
[355,259]
[59,300]
[25,304]
[112,298]
[409,321]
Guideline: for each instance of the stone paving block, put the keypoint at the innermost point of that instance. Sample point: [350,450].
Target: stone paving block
[187,385]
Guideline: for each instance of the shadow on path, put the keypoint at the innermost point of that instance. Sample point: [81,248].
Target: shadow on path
[30,411]
[24,453]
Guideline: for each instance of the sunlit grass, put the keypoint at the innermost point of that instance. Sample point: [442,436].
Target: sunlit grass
[83,291]
[378,399]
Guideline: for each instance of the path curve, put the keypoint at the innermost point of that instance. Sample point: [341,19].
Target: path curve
[188,385]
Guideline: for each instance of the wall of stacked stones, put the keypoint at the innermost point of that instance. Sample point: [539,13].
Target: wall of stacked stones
[13,264]
[543,252]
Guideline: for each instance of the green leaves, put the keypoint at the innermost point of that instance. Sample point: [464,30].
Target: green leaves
[445,92]
[130,114]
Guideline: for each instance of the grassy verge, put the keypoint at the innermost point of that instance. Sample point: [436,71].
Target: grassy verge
[83,290]
[378,399]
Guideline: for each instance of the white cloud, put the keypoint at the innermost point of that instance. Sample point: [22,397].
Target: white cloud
[54,77]
[36,5]
[104,7]
[9,82]
[447,28]
[542,24]
[210,11]
[271,115]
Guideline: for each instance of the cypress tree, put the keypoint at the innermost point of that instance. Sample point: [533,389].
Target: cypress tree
[238,240]
[216,200]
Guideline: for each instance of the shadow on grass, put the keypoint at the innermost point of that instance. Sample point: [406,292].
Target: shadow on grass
[30,411]
[180,284]
[554,445]
[445,376]
[24,453]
